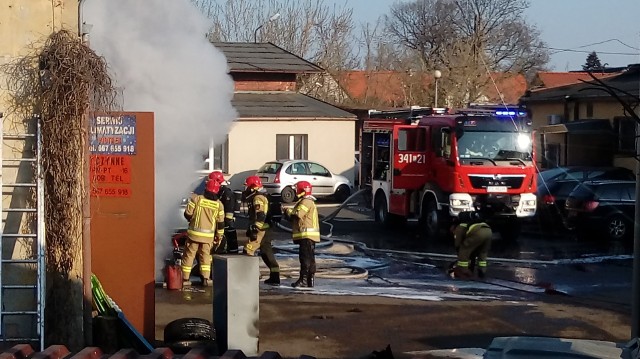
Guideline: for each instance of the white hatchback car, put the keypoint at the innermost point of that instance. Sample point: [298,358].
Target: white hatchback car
[279,177]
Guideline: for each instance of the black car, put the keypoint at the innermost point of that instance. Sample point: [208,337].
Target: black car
[602,208]
[554,186]
[551,202]
[584,173]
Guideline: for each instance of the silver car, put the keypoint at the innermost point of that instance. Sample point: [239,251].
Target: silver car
[279,177]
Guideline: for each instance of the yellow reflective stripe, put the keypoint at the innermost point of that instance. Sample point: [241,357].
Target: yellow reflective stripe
[307,234]
[191,205]
[464,225]
[463,264]
[305,208]
[482,263]
[207,203]
[476,225]
[205,268]
[186,269]
[228,215]
[201,234]
[220,232]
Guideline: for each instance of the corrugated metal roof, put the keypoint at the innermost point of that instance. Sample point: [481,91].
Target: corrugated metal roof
[285,105]
[263,57]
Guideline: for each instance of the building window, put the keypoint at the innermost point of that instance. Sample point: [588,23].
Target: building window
[218,156]
[589,109]
[291,147]
[625,128]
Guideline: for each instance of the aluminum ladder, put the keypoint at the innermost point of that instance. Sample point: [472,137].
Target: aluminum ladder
[22,239]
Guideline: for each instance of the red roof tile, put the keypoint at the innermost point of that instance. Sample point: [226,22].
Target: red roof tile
[556,79]
[390,87]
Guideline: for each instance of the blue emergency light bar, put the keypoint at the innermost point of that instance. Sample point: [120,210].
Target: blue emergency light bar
[510,113]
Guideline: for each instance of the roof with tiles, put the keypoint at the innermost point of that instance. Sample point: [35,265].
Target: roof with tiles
[625,82]
[556,79]
[25,351]
[263,57]
[389,86]
[285,105]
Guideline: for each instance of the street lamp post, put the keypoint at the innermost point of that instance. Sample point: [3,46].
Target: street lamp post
[275,17]
[437,75]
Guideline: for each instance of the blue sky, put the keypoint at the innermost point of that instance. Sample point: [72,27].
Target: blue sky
[566,25]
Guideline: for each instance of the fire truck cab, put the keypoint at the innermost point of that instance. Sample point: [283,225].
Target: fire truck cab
[430,165]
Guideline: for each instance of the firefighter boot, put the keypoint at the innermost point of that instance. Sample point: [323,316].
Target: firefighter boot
[302,281]
[310,280]
[462,273]
[274,279]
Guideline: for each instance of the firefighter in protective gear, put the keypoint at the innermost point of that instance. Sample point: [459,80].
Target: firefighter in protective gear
[472,237]
[306,232]
[230,241]
[205,214]
[259,232]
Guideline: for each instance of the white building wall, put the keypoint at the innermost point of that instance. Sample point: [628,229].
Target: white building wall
[252,143]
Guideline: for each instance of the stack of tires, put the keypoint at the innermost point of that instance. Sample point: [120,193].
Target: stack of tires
[182,335]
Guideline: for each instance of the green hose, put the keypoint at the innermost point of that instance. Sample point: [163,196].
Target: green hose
[101,300]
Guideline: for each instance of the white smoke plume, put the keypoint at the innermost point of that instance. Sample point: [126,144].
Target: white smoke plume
[159,55]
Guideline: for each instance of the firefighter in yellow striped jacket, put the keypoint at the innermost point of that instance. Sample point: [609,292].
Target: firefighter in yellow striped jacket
[259,231]
[205,214]
[472,238]
[306,232]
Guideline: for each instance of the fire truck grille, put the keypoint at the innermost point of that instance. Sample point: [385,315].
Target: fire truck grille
[484,181]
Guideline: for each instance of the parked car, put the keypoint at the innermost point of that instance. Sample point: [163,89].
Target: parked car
[583,173]
[279,177]
[551,202]
[602,208]
[555,185]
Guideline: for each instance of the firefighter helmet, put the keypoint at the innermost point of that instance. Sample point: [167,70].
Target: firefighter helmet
[303,188]
[217,176]
[212,186]
[253,183]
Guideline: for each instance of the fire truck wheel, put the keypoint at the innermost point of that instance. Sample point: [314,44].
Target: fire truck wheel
[288,195]
[380,210]
[429,221]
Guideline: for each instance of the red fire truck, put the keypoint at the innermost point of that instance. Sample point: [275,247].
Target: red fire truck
[431,165]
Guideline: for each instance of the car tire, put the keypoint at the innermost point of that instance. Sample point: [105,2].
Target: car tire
[184,346]
[617,227]
[287,195]
[189,329]
[342,193]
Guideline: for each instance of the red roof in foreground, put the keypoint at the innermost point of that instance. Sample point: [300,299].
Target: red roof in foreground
[391,87]
[22,351]
[556,79]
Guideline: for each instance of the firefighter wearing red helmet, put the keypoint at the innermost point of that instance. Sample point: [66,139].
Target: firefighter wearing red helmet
[259,232]
[306,232]
[205,214]
[230,241]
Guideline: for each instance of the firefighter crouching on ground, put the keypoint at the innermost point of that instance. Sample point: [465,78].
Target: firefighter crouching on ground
[259,232]
[230,241]
[472,237]
[205,214]
[306,232]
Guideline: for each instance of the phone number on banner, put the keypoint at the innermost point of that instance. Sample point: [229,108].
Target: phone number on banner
[110,192]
